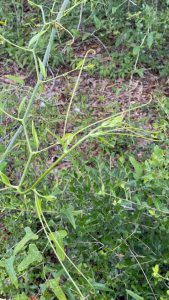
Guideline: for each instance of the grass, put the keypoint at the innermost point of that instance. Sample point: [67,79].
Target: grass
[108,212]
[84,174]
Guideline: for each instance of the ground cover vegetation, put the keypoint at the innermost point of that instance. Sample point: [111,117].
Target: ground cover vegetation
[84,153]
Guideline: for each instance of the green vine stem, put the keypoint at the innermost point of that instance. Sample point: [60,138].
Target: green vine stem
[45,61]
[79,142]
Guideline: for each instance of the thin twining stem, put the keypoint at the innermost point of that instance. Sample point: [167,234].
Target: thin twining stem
[45,61]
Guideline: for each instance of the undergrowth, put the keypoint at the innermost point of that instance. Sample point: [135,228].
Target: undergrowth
[84,191]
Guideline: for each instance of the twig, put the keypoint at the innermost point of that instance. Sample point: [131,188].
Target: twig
[80,16]
[103,45]
[141,269]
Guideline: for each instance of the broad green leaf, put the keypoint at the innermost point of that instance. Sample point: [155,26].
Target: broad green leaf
[134,295]
[137,167]
[136,50]
[155,270]
[3,23]
[53,284]
[42,68]
[35,136]
[75,32]
[3,165]
[35,38]
[158,152]
[33,256]
[150,39]
[152,212]
[68,212]
[10,270]
[97,22]
[57,237]
[4,178]
[15,78]
[28,237]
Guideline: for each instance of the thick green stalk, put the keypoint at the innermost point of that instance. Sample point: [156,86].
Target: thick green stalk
[45,61]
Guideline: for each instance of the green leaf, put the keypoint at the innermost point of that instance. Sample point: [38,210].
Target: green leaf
[2,263]
[89,67]
[150,39]
[32,3]
[35,38]
[35,136]
[50,198]
[38,203]
[97,22]
[136,50]
[57,237]
[53,284]
[113,122]
[21,105]
[66,140]
[57,137]
[1,107]
[3,23]
[21,297]
[28,236]
[33,256]
[68,212]
[42,68]
[137,167]
[155,270]
[2,149]
[16,79]
[105,142]
[101,287]
[4,179]
[80,64]
[114,9]
[102,190]
[10,270]
[86,35]
[139,72]
[134,295]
